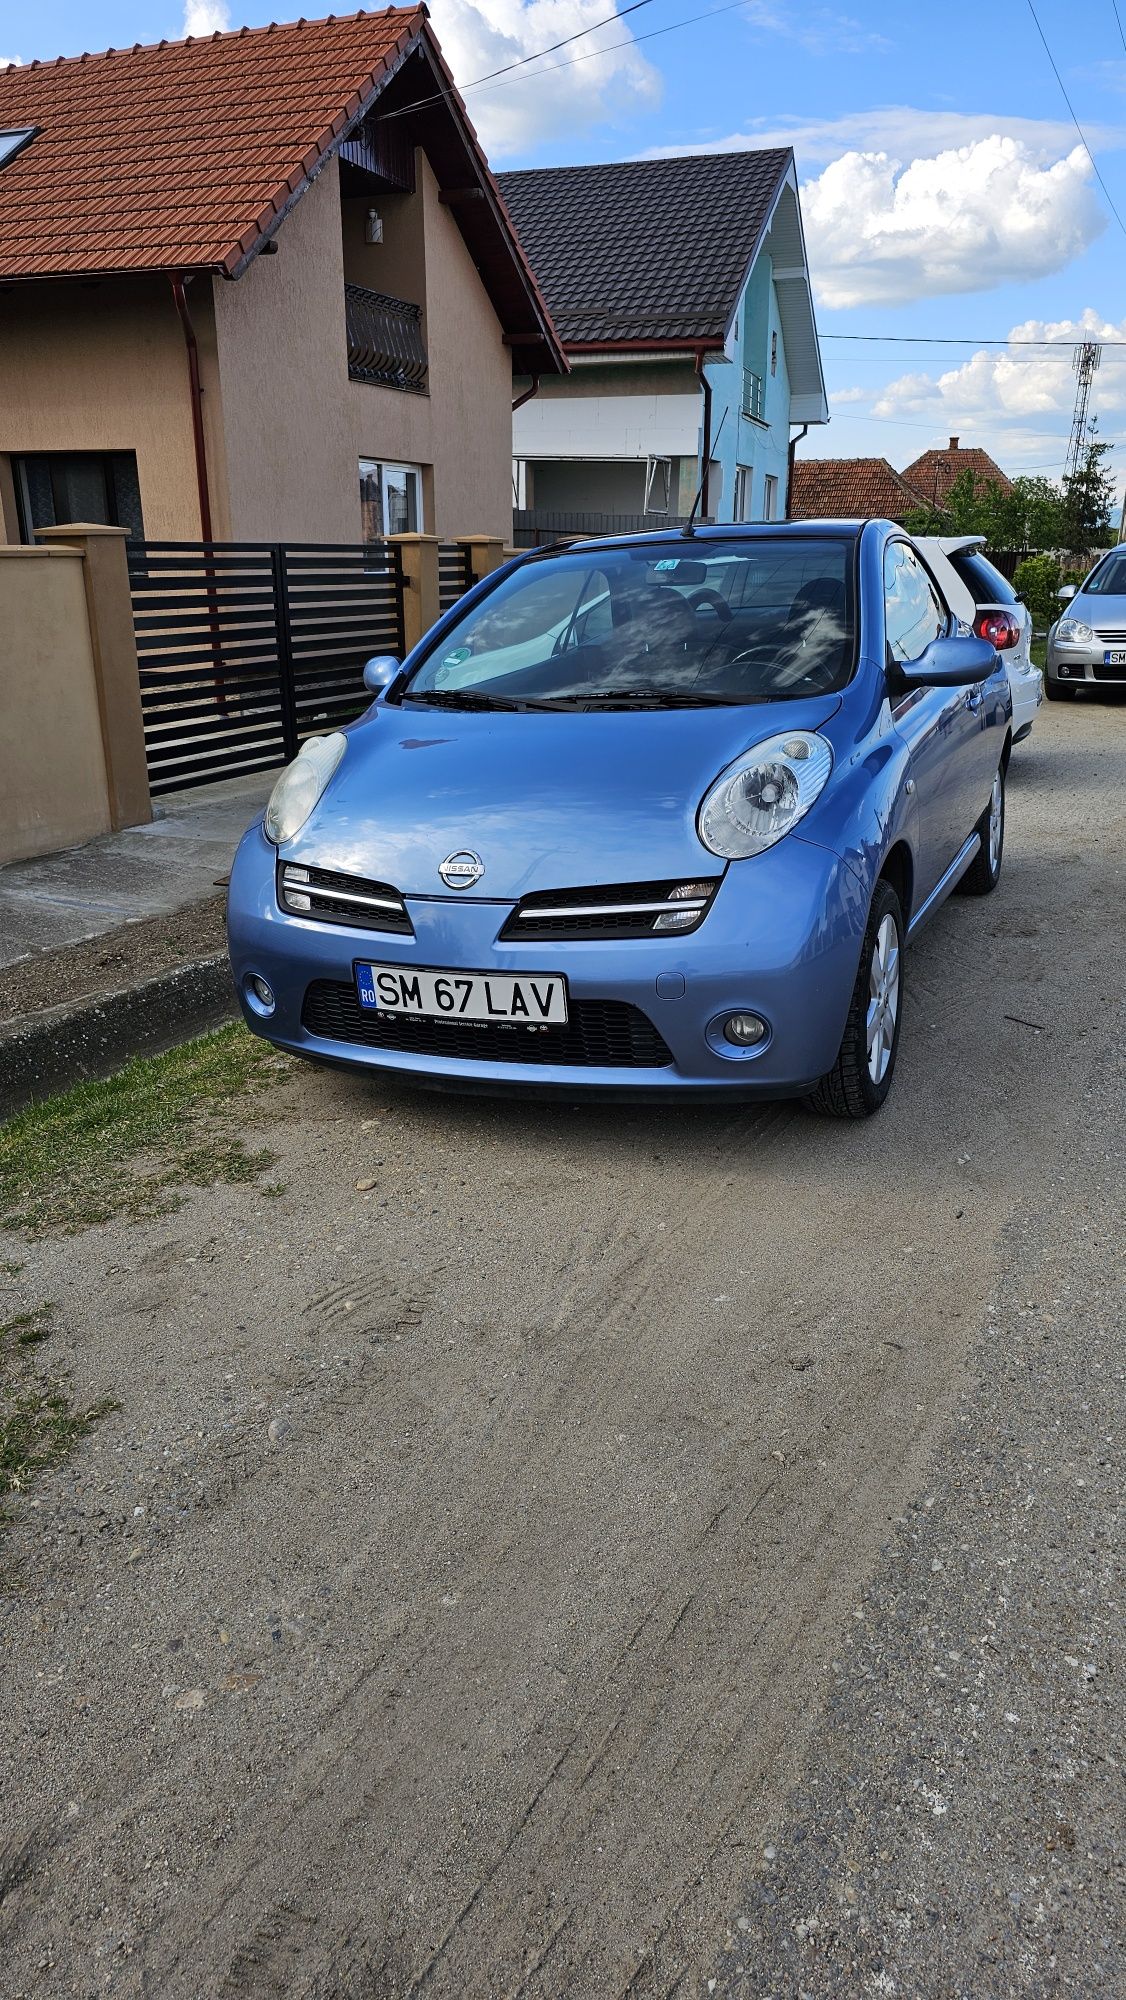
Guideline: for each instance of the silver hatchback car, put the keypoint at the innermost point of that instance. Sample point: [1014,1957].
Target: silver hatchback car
[1087,644]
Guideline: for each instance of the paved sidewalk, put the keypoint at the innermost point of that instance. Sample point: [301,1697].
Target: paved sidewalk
[144,871]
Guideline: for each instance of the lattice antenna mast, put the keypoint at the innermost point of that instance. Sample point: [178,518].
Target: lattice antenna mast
[1085,359]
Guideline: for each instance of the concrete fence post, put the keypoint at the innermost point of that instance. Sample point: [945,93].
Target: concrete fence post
[109,609]
[420,577]
[486,553]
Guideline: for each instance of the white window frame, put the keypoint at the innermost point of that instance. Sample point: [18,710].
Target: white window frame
[744,493]
[379,469]
[770,497]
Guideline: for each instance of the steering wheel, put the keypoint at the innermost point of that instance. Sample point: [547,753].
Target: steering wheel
[715,599]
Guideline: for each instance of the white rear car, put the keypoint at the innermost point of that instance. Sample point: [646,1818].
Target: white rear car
[988,604]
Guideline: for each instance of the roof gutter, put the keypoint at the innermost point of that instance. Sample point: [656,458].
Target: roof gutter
[705,432]
[195,391]
[792,448]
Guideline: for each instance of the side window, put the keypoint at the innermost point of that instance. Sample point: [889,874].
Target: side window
[913,611]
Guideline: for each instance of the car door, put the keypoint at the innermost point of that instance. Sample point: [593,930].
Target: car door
[937,724]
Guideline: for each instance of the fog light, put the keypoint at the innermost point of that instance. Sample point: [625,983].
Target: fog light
[260,993]
[744,1030]
[1064,673]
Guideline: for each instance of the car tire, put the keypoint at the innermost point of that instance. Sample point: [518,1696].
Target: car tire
[984,871]
[860,1079]
[1056,691]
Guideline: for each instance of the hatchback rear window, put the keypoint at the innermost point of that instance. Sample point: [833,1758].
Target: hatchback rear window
[985,584]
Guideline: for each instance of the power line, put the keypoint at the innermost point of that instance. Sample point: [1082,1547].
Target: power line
[961,340]
[1118,18]
[1074,119]
[627,42]
[619,15]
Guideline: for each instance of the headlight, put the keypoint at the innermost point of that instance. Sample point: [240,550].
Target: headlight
[1073,632]
[763,794]
[302,785]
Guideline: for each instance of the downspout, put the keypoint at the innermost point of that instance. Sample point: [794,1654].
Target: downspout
[527,396]
[706,432]
[791,449]
[196,393]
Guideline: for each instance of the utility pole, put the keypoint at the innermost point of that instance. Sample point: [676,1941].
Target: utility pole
[1085,359]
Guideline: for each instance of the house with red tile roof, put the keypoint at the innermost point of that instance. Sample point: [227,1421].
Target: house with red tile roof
[934,473]
[259,286]
[850,489]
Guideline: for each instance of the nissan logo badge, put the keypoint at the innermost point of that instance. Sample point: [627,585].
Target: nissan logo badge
[460,871]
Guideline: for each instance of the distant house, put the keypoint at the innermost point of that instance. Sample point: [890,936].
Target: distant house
[850,489]
[934,473]
[681,290]
[258,286]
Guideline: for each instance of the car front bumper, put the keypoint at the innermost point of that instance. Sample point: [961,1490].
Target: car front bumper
[782,939]
[1074,666]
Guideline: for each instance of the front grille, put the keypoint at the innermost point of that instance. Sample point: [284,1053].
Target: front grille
[1112,638]
[600,1034]
[623,910]
[350,900]
[1105,673]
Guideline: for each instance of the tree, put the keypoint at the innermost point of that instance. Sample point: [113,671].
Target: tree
[1088,497]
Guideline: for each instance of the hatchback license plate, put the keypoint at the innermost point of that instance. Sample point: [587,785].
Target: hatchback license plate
[531,1000]
[1115,659]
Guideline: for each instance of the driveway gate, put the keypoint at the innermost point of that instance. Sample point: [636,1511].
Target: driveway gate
[246,648]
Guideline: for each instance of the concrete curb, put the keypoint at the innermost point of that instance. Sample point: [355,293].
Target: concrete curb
[66,1045]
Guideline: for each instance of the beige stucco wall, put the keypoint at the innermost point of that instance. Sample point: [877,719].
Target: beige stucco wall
[101,367]
[296,427]
[54,792]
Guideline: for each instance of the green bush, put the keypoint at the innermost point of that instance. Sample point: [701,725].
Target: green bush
[1037,580]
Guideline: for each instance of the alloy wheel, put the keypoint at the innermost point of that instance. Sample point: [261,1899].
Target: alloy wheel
[883,1001]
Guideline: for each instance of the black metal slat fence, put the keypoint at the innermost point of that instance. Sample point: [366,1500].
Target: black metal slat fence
[246,648]
[454,573]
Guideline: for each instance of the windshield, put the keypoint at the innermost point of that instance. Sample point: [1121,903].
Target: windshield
[654,624]
[1109,580]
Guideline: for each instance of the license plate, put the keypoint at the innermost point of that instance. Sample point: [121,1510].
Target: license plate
[1115,659]
[530,1000]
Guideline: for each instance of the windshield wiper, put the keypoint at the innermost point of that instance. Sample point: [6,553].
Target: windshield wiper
[650,697]
[469,698]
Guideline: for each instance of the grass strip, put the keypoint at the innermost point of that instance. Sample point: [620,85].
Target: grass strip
[39,1425]
[132,1143]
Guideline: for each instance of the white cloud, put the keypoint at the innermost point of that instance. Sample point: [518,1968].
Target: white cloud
[982,215]
[1009,386]
[205,17]
[849,396]
[902,130]
[820,30]
[10,62]
[552,97]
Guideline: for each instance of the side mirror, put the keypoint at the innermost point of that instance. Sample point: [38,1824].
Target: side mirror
[380,671]
[953,662]
[1066,593]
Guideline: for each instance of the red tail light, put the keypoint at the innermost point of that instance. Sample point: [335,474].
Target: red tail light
[999,627]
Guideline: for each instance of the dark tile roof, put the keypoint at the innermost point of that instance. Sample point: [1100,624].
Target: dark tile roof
[935,472]
[852,488]
[182,155]
[646,250]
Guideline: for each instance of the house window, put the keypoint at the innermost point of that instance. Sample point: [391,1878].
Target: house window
[774,352]
[744,484]
[390,499]
[56,487]
[13,139]
[769,498]
[754,395]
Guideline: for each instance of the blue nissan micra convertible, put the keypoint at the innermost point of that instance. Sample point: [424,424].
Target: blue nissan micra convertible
[656,812]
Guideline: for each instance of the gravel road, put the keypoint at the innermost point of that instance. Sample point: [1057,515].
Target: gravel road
[617,1552]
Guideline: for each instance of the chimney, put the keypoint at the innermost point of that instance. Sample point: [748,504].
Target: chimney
[953,444]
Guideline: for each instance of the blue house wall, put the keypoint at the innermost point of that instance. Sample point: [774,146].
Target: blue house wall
[761,446]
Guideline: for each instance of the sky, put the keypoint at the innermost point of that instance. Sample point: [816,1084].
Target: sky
[947,193]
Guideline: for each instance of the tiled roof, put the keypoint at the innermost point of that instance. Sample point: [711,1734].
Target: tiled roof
[849,489]
[935,472]
[646,250]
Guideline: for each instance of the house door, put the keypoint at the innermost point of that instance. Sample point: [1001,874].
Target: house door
[390,499]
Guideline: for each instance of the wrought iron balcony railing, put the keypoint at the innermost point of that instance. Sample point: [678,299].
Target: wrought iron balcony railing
[384,340]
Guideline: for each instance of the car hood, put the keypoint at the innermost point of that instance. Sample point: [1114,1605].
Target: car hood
[550,801]
[1104,614]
